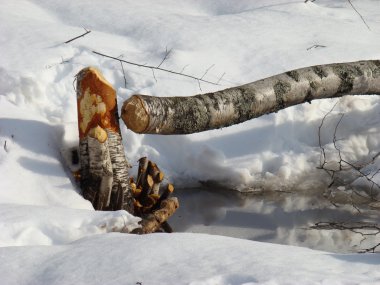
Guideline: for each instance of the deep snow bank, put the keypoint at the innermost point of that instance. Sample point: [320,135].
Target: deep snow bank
[181,259]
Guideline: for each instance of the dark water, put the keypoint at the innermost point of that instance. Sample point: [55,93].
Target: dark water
[283,218]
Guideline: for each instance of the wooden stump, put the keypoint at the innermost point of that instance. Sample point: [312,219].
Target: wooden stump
[104,168]
[104,176]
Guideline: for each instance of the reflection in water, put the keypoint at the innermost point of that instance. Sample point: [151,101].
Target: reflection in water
[275,217]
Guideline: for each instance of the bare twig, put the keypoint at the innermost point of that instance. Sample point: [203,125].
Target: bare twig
[362,228]
[345,166]
[156,68]
[154,75]
[323,153]
[125,79]
[80,36]
[335,140]
[122,68]
[221,77]
[167,54]
[357,12]
[371,249]
[316,46]
[207,70]
[63,61]
[183,69]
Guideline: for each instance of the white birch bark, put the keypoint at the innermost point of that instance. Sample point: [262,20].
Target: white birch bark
[104,168]
[185,115]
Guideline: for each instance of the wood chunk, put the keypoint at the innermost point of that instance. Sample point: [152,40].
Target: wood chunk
[146,189]
[143,166]
[157,175]
[165,195]
[152,222]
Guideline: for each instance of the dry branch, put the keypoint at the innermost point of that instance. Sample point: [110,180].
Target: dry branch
[340,167]
[158,67]
[80,36]
[185,115]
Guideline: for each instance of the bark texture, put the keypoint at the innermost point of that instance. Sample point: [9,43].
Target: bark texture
[153,222]
[104,168]
[185,115]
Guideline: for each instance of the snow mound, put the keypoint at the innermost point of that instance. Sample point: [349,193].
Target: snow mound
[181,259]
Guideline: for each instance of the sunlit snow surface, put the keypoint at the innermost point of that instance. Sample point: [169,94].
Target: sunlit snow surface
[246,40]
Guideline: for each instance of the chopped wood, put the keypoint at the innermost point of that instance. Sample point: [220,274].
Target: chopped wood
[152,222]
[165,195]
[157,176]
[143,166]
[146,190]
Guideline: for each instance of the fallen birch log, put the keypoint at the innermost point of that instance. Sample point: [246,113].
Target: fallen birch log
[104,176]
[185,115]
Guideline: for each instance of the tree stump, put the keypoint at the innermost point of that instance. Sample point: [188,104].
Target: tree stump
[104,177]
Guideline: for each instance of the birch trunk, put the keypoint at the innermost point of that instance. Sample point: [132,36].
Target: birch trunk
[185,115]
[104,168]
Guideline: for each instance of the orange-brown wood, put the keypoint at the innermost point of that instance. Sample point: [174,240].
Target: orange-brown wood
[97,108]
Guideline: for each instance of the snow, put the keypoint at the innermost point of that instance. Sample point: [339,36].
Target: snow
[51,235]
[181,259]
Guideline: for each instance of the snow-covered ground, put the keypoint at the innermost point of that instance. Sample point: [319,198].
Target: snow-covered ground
[62,240]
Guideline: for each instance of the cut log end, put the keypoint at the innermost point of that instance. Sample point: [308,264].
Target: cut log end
[134,114]
[96,102]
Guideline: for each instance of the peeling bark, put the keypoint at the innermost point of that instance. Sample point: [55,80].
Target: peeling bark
[104,168]
[185,115]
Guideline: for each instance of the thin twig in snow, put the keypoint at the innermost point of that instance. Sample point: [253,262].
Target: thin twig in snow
[154,75]
[80,36]
[122,68]
[156,68]
[207,70]
[125,80]
[221,77]
[183,69]
[199,84]
[167,54]
[357,12]
[316,46]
